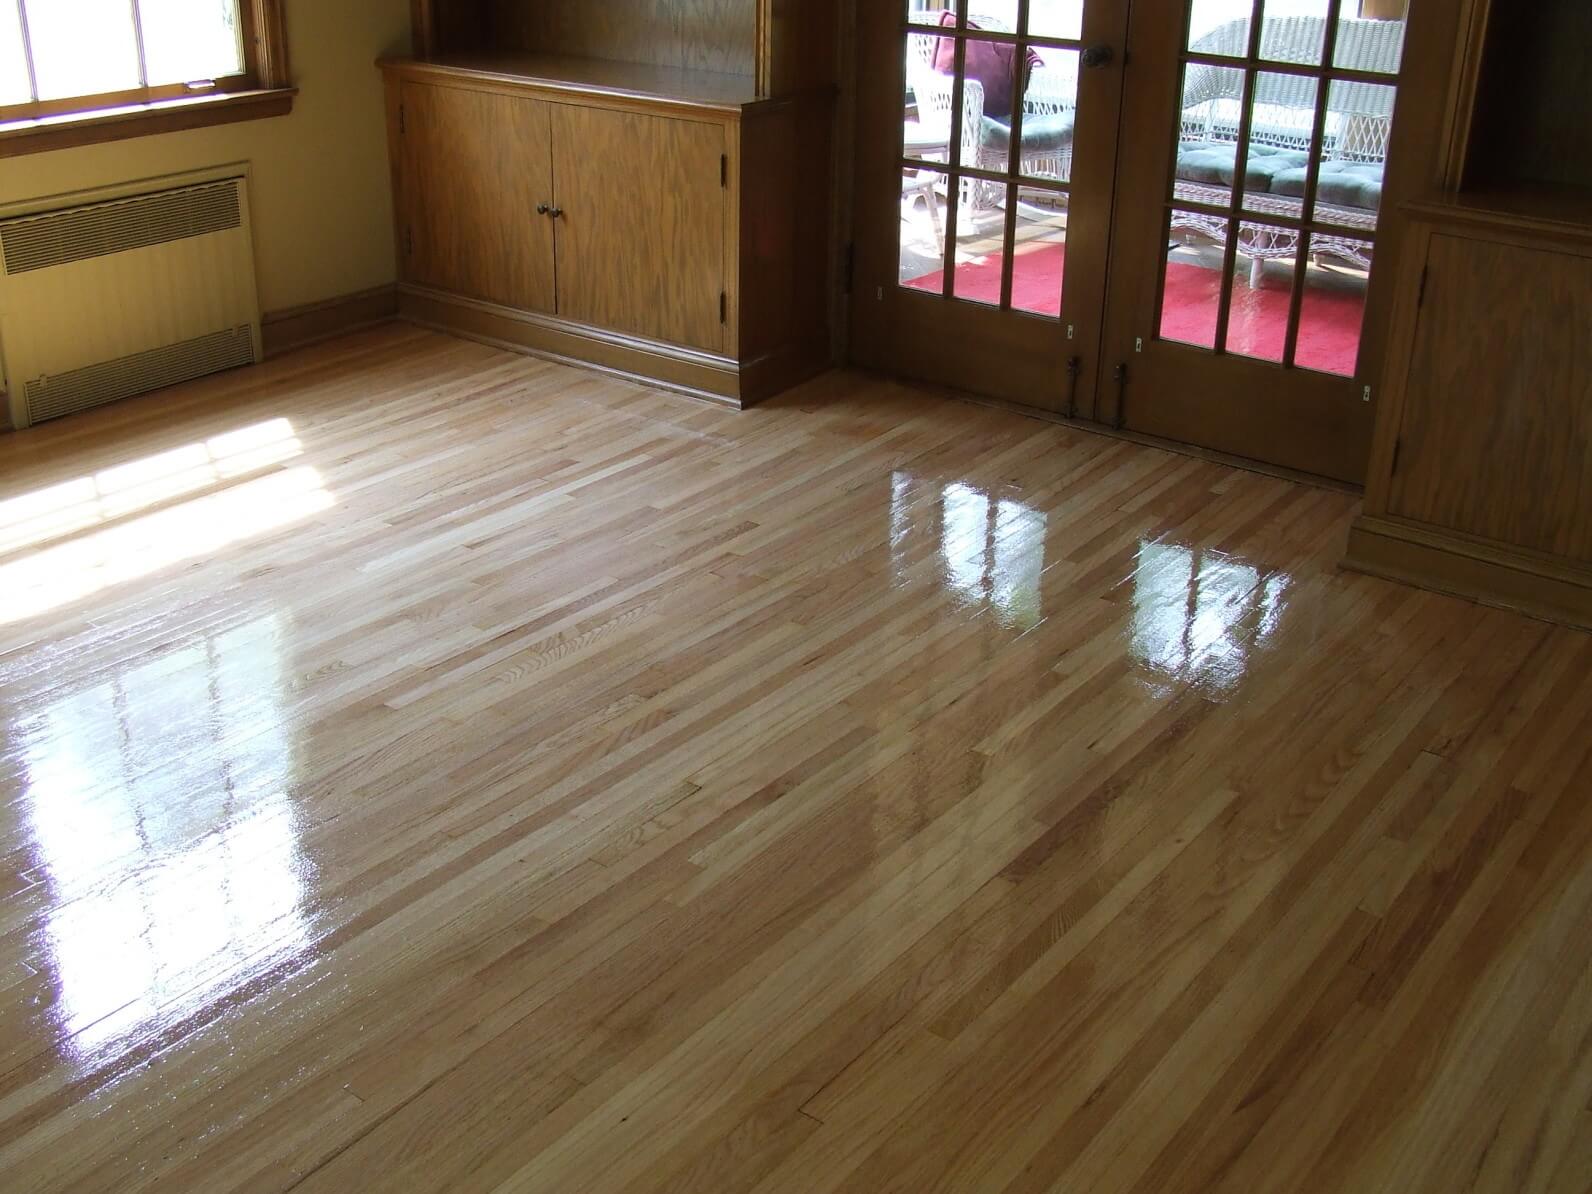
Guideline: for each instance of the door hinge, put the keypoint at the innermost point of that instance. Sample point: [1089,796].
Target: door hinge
[724,307]
[1420,298]
[724,169]
[851,266]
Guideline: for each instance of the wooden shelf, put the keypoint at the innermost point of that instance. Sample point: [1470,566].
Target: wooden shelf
[1560,211]
[592,76]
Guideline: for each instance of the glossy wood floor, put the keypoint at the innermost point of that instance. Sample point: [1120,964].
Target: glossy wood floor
[426,768]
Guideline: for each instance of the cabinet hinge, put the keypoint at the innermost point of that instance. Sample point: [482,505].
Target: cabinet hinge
[724,169]
[1420,298]
[724,307]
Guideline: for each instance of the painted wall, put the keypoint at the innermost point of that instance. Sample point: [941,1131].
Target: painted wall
[322,195]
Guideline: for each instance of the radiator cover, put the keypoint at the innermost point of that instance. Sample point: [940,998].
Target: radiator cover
[120,293]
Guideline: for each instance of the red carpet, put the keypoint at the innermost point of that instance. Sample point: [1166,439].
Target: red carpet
[1329,329]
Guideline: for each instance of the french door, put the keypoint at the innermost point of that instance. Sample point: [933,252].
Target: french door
[1161,216]
[986,161]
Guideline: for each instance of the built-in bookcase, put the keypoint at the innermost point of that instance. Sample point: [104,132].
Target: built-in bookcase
[639,185]
[1480,480]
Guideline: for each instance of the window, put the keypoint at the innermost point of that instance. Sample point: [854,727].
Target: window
[71,61]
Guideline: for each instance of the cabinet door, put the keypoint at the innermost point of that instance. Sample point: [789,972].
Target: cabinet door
[1496,435]
[641,237]
[475,167]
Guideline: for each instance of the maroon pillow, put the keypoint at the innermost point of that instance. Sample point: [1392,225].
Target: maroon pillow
[993,64]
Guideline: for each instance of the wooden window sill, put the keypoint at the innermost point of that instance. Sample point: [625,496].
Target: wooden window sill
[18,137]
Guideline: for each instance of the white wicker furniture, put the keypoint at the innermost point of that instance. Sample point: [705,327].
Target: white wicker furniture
[1359,116]
[1051,92]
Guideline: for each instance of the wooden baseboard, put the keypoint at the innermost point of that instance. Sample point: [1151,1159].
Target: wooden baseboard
[1492,576]
[702,375]
[298,327]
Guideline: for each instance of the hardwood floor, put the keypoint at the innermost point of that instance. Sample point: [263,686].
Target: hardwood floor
[428,768]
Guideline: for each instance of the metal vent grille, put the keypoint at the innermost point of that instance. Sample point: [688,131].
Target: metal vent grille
[79,233]
[95,385]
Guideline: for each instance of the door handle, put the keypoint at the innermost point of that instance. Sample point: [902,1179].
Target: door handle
[1097,57]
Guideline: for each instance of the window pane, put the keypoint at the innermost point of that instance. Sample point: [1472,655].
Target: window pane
[1333,313]
[1050,107]
[1295,30]
[1056,18]
[1359,119]
[988,101]
[82,47]
[1257,313]
[1192,286]
[932,12]
[1040,253]
[981,243]
[186,40]
[1220,27]
[1371,36]
[13,67]
[923,230]
[1281,129]
[1213,99]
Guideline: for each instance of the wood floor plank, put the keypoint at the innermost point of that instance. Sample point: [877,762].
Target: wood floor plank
[428,768]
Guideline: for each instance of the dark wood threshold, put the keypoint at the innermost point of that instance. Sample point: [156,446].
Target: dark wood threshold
[18,137]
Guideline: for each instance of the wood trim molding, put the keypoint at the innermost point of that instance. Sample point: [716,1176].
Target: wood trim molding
[19,137]
[647,362]
[298,327]
[1491,575]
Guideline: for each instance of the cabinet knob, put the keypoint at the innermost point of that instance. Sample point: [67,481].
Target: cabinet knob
[556,212]
[542,209]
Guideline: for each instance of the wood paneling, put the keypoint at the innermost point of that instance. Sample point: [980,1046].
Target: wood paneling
[1496,435]
[595,792]
[475,167]
[641,237]
[709,35]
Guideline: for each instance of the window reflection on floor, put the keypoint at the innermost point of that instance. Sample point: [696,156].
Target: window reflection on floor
[164,834]
[1198,615]
[991,549]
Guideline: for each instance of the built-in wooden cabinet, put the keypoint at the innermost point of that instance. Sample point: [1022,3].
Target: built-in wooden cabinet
[640,187]
[644,205]
[467,196]
[1480,480]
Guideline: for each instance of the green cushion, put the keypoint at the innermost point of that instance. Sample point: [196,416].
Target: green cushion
[1282,172]
[1041,134]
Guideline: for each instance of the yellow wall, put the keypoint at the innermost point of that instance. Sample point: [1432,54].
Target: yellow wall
[321,201]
